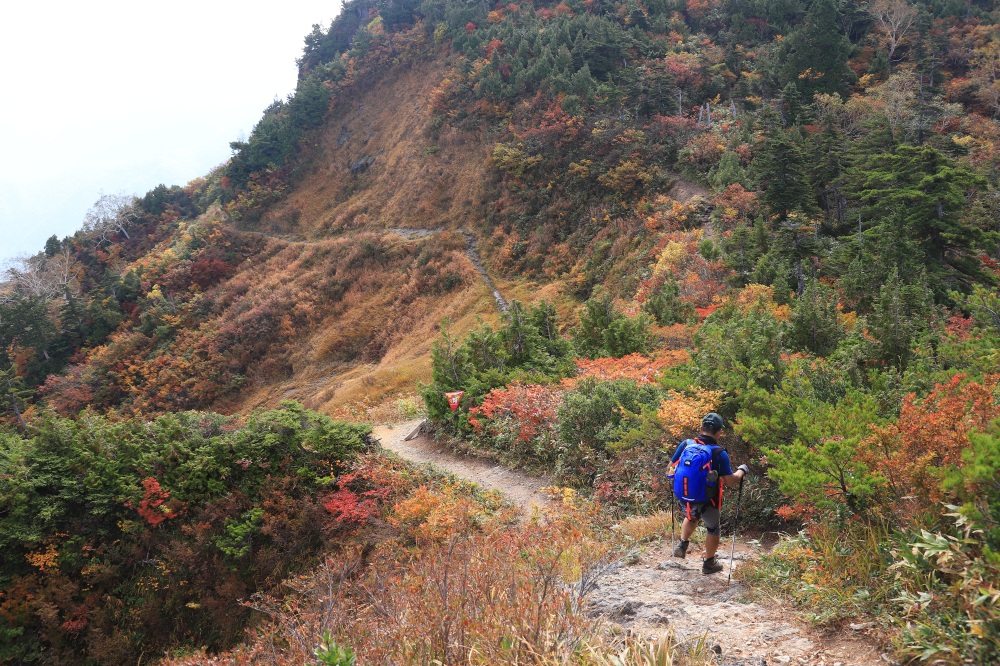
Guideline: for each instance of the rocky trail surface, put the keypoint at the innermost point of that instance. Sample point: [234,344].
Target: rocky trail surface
[652,592]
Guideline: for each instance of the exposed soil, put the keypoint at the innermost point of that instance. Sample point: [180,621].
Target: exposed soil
[523,490]
[655,592]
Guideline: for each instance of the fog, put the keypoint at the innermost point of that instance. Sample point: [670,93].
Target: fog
[121,96]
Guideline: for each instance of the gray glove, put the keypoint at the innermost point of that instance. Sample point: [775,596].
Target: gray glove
[746,470]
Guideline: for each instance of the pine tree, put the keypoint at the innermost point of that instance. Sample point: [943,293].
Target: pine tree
[815,323]
[780,167]
[900,314]
[12,393]
[815,55]
[925,192]
[827,159]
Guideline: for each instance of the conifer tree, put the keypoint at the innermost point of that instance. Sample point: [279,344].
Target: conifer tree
[780,167]
[925,192]
[815,324]
[815,55]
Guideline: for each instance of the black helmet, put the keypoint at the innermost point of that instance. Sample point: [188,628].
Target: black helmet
[712,422]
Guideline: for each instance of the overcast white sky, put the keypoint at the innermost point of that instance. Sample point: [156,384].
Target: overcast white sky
[119,96]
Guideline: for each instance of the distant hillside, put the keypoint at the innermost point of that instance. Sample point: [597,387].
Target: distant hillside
[812,142]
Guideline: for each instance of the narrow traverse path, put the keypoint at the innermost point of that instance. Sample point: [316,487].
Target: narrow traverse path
[471,251]
[653,592]
[523,490]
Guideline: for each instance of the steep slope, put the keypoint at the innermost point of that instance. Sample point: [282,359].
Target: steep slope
[383,159]
[382,164]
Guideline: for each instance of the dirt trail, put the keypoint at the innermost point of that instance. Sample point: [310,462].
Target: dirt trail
[471,251]
[523,490]
[659,591]
[656,592]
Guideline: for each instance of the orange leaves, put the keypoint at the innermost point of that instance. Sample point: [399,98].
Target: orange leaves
[698,9]
[153,506]
[526,409]
[680,413]
[44,560]
[735,204]
[639,368]
[668,214]
[930,435]
[701,281]
[430,516]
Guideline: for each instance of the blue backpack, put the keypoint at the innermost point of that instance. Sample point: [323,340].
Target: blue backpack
[696,474]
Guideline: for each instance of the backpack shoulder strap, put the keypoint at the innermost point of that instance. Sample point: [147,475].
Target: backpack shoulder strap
[716,450]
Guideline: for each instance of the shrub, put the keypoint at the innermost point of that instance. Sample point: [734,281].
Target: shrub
[604,331]
[594,416]
[144,533]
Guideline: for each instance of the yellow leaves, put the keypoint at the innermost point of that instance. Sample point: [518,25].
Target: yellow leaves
[513,160]
[759,296]
[964,141]
[44,559]
[809,75]
[568,497]
[580,170]
[627,176]
[630,136]
[680,413]
[670,258]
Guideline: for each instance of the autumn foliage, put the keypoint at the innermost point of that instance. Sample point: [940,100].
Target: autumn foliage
[931,436]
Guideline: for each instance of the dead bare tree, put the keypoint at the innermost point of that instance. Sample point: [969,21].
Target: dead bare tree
[895,18]
[111,214]
[45,278]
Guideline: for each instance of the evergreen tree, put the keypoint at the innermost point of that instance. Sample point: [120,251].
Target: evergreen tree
[13,393]
[925,192]
[827,160]
[604,331]
[815,55]
[666,305]
[780,167]
[901,313]
[815,323]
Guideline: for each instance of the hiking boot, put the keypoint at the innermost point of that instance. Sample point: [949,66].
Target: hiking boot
[711,566]
[681,549]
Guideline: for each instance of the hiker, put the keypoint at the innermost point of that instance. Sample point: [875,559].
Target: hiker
[696,468]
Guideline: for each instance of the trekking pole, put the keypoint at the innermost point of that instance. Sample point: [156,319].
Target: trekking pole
[736,523]
[673,510]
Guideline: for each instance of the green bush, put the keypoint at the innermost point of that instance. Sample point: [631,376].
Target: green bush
[604,331]
[527,348]
[596,415]
[137,531]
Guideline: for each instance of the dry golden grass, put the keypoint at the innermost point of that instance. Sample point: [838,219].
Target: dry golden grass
[421,178]
[637,529]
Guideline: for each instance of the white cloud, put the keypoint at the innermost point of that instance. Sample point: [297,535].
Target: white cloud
[120,96]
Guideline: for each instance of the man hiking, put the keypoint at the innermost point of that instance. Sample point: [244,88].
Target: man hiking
[697,468]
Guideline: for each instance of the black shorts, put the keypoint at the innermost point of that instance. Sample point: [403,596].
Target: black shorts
[703,511]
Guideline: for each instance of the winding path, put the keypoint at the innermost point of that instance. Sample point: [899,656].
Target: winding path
[523,490]
[471,251]
[653,592]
